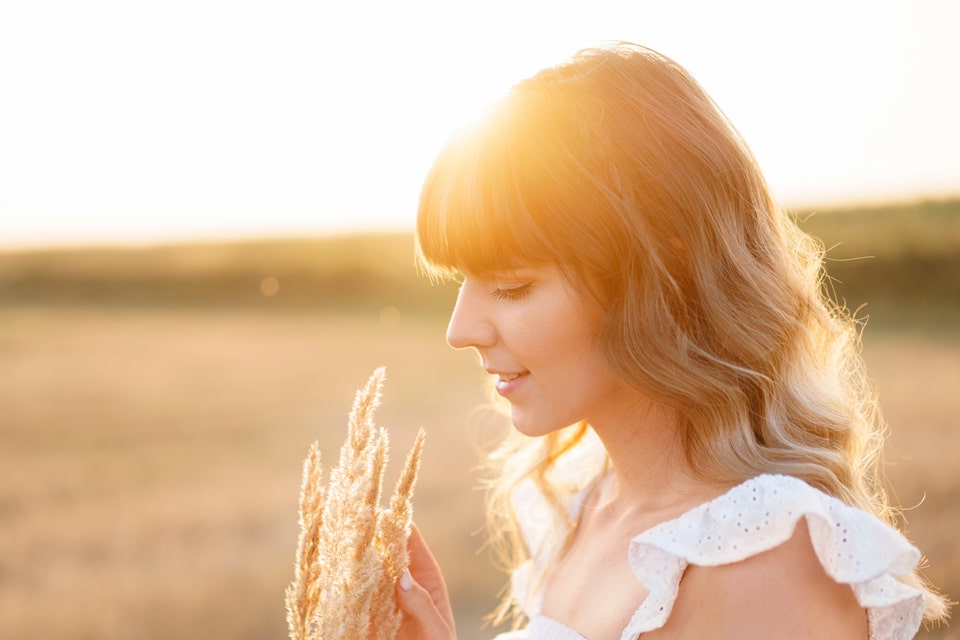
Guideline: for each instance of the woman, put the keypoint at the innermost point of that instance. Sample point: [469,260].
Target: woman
[696,447]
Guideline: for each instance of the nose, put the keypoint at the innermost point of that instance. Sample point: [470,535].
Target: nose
[470,325]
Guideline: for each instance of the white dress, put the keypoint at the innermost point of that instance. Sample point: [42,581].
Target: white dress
[853,546]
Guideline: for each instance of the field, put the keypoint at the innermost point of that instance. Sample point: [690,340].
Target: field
[151,460]
[152,428]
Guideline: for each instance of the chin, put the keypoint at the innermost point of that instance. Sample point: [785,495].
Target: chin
[534,428]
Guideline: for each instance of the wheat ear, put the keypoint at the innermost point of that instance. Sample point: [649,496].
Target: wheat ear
[392,542]
[302,596]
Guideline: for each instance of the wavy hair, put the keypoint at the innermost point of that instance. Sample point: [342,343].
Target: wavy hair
[618,167]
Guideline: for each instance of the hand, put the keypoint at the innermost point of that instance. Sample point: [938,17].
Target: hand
[422,596]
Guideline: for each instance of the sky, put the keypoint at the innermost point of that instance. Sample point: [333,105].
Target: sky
[133,121]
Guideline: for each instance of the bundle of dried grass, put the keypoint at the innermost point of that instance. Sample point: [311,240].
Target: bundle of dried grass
[351,551]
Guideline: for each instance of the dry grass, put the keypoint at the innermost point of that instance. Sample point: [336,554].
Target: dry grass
[351,551]
[919,380]
[149,460]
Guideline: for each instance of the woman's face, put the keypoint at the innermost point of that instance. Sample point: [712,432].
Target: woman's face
[538,336]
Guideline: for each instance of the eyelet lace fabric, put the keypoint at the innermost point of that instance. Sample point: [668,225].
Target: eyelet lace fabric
[853,547]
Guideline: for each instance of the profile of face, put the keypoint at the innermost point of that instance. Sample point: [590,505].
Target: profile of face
[537,335]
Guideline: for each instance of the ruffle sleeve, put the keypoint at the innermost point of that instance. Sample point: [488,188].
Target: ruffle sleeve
[854,548]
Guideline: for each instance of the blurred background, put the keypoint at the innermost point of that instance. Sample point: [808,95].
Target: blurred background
[206,215]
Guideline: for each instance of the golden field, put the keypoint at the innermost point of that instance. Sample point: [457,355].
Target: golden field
[156,405]
[150,460]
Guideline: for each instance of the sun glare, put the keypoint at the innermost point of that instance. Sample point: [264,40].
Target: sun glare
[211,118]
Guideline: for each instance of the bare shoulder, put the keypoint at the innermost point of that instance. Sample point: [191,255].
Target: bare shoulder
[781,593]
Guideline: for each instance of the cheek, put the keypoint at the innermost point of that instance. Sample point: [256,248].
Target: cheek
[554,339]
[574,348]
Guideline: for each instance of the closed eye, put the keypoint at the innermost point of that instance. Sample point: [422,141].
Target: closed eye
[512,293]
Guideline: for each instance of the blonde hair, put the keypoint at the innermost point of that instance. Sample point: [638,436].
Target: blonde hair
[618,167]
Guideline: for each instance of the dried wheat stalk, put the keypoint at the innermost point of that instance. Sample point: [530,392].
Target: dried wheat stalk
[351,551]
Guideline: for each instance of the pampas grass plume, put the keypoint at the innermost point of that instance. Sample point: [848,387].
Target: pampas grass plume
[351,551]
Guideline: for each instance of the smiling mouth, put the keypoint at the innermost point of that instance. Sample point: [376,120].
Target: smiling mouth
[506,382]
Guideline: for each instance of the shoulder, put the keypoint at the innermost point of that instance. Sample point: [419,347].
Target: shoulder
[780,593]
[777,551]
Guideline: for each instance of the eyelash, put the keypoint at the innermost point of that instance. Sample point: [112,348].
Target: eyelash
[513,293]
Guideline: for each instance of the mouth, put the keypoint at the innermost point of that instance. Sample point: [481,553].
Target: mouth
[507,382]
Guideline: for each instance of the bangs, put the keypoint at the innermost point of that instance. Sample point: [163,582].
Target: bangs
[484,203]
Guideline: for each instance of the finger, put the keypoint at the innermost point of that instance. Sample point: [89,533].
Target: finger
[425,571]
[422,619]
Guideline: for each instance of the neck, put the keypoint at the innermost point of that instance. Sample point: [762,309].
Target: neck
[651,471]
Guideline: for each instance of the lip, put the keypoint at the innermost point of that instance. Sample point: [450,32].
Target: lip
[506,387]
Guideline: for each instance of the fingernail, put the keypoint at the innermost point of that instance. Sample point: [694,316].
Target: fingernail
[406,580]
